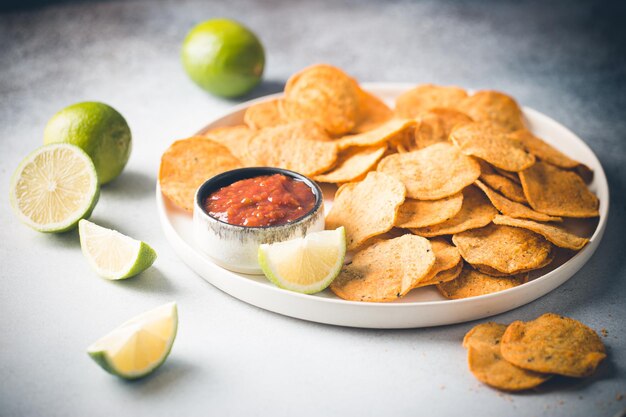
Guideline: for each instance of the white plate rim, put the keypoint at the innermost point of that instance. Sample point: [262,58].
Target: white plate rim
[555,276]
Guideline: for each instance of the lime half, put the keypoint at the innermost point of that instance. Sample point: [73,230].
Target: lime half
[138,346]
[111,254]
[54,187]
[308,264]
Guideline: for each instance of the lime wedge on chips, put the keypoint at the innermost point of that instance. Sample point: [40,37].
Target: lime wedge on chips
[138,346]
[54,187]
[111,254]
[308,264]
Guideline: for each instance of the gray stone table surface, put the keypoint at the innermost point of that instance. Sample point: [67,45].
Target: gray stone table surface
[566,59]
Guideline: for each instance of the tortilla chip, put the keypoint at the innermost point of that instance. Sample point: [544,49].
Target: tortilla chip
[476,211]
[472,283]
[264,114]
[557,192]
[443,276]
[373,112]
[323,94]
[367,208]
[585,173]
[494,107]
[385,271]
[436,125]
[504,185]
[485,269]
[428,131]
[418,213]
[487,364]
[384,133]
[447,256]
[353,164]
[543,150]
[432,173]
[424,97]
[491,143]
[450,118]
[513,176]
[235,138]
[299,146]
[555,234]
[188,163]
[553,344]
[506,249]
[513,209]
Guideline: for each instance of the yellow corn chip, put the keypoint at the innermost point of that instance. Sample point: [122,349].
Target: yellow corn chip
[385,271]
[362,215]
[432,173]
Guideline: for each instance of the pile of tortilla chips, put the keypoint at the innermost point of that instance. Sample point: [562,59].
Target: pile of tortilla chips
[449,189]
[523,355]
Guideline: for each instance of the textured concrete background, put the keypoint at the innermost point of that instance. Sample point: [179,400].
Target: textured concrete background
[566,59]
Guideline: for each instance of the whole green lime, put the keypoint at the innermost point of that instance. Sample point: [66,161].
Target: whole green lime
[223,57]
[99,130]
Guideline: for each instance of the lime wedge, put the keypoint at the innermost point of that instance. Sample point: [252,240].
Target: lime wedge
[308,264]
[54,187]
[138,346]
[111,254]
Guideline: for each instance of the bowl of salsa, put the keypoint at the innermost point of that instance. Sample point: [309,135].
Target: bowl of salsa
[236,211]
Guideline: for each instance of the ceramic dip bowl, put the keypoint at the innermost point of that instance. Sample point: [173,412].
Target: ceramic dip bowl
[235,247]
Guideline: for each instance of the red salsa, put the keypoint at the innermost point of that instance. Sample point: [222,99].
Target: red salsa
[268,200]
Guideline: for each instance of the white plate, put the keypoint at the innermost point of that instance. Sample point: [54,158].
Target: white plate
[420,308]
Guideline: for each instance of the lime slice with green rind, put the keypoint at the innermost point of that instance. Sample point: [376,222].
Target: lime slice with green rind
[306,265]
[140,345]
[113,255]
[54,187]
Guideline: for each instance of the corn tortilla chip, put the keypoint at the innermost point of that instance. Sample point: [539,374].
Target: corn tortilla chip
[235,138]
[298,146]
[502,184]
[384,133]
[428,131]
[513,209]
[436,125]
[487,364]
[557,192]
[264,114]
[188,163]
[472,283]
[485,269]
[543,150]
[372,112]
[476,211]
[513,176]
[432,173]
[352,164]
[443,276]
[424,97]
[447,256]
[555,234]
[325,95]
[491,143]
[363,216]
[450,118]
[553,344]
[503,248]
[418,213]
[494,107]
[385,271]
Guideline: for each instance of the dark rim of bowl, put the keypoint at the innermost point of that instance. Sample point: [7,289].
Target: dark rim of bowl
[227,178]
